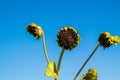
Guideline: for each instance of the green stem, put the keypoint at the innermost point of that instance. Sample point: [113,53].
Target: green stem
[44,45]
[86,62]
[60,59]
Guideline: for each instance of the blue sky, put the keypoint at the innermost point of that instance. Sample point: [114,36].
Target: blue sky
[21,55]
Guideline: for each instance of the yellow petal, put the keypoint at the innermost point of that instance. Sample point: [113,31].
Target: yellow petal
[107,34]
[115,39]
[33,24]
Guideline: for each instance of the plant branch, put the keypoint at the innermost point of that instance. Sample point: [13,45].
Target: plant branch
[60,59]
[86,62]
[44,45]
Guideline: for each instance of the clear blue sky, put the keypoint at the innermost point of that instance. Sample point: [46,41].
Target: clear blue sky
[21,55]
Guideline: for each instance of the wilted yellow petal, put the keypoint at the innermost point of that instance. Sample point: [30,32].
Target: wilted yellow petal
[115,39]
[92,74]
[107,34]
[33,24]
[51,70]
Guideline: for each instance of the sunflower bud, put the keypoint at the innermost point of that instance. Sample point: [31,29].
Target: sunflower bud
[35,30]
[106,40]
[92,74]
[68,38]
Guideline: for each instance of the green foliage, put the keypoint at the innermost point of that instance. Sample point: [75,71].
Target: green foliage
[51,70]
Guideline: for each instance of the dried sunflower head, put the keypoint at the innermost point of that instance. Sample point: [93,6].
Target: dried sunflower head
[106,40]
[92,74]
[35,30]
[68,38]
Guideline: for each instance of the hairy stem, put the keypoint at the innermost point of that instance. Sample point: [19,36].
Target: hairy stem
[86,62]
[44,45]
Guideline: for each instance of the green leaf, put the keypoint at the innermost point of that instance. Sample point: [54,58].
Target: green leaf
[51,70]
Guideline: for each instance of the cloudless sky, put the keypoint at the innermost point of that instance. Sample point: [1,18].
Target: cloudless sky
[21,55]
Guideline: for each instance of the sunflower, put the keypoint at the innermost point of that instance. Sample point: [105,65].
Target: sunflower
[35,30]
[68,38]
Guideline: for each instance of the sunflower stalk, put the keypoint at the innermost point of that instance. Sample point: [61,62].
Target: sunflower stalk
[86,62]
[60,60]
[44,45]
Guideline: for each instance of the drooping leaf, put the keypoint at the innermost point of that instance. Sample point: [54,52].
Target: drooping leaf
[51,70]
